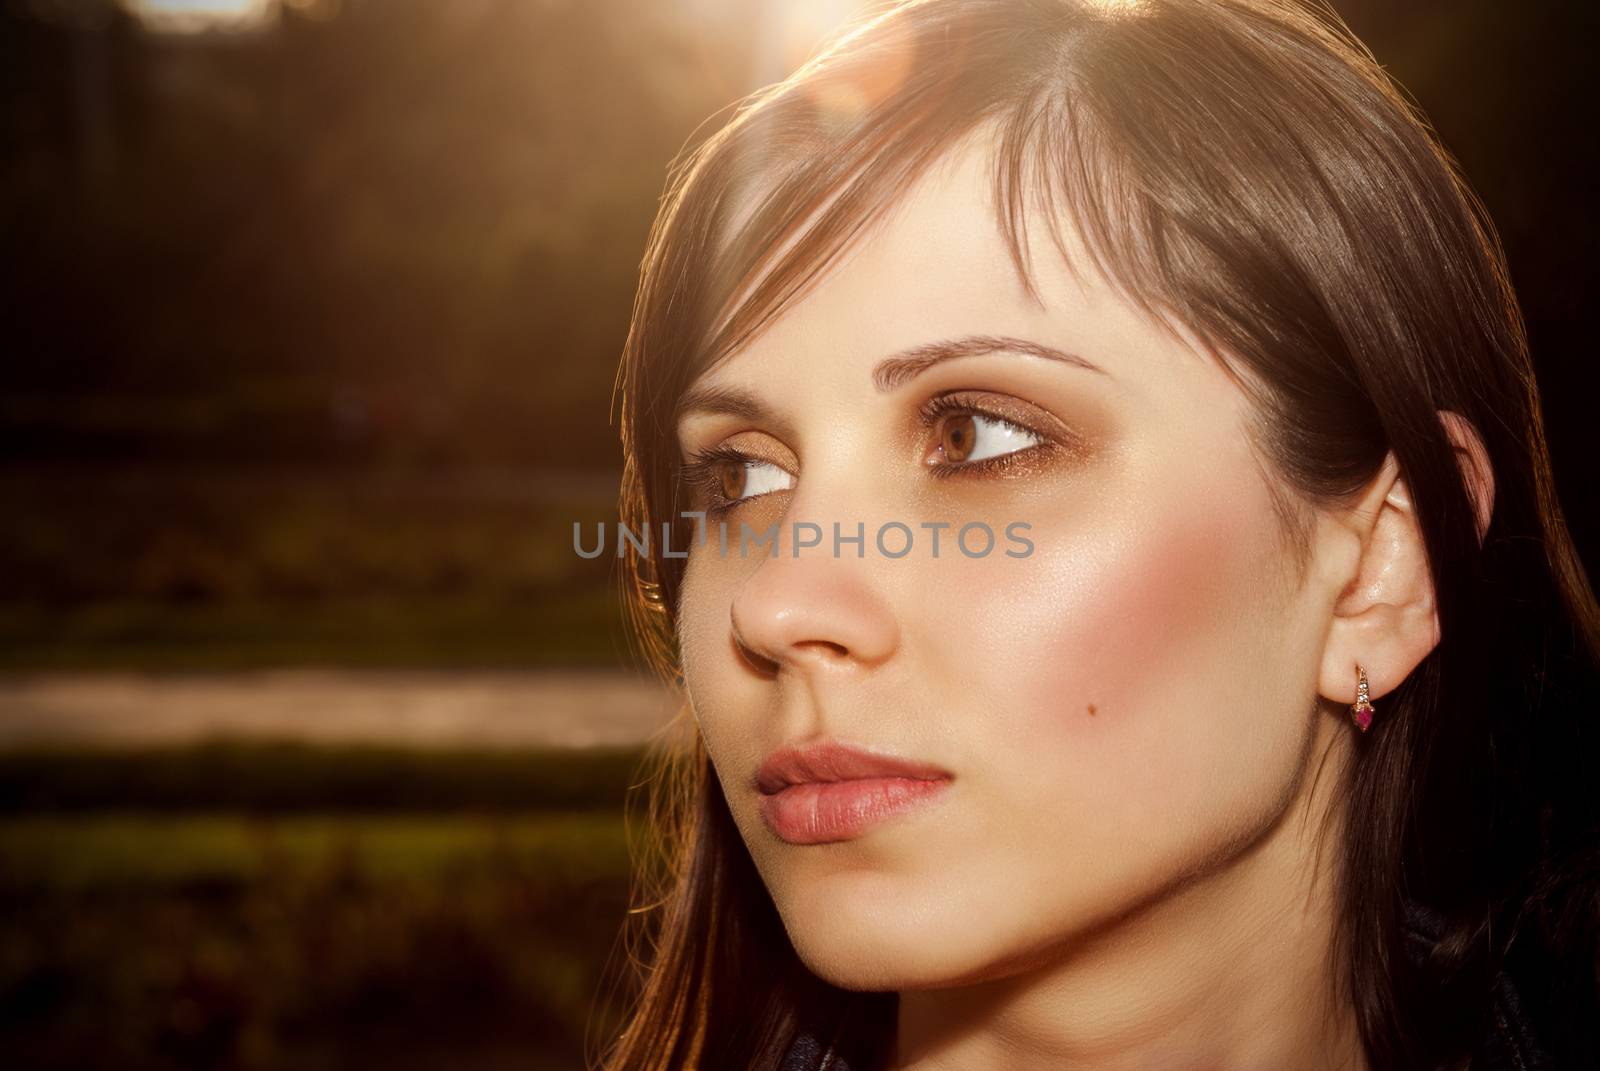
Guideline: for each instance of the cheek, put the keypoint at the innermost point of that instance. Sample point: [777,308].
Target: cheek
[702,634]
[1131,609]
[1112,668]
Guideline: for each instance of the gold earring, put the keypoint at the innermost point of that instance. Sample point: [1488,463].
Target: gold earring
[1361,710]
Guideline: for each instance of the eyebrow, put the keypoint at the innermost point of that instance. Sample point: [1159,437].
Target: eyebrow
[887,374]
[891,372]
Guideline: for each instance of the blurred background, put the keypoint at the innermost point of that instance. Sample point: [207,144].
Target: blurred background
[314,731]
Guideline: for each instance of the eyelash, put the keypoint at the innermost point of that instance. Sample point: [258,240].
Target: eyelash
[699,471]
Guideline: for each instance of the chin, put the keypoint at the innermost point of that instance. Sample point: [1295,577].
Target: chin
[878,964]
[880,939]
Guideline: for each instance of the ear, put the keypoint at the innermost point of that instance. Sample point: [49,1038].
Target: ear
[1385,617]
[1473,460]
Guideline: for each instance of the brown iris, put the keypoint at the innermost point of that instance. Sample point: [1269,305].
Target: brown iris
[732,477]
[956,436]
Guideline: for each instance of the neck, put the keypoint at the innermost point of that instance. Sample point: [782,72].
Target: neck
[1235,971]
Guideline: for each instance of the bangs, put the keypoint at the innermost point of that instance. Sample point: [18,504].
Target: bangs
[807,168]
[1148,165]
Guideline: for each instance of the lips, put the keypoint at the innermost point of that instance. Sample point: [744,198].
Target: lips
[829,791]
[828,760]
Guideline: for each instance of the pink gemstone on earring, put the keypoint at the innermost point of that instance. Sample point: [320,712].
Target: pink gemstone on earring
[1363,716]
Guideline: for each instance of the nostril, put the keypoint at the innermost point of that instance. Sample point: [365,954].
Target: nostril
[759,663]
[749,654]
[824,646]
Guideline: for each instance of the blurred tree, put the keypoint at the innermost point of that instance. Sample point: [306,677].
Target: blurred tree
[407,233]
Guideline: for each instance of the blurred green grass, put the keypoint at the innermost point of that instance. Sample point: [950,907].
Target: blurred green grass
[263,777]
[565,628]
[174,569]
[122,852]
[152,918]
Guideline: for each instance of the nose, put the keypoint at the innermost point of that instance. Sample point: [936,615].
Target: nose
[813,610]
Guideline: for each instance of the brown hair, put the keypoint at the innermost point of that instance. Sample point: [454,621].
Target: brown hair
[1246,169]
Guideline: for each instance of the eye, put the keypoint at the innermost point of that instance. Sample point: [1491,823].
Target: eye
[724,477]
[751,477]
[971,437]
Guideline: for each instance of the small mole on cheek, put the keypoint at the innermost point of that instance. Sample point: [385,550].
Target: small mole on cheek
[1091,710]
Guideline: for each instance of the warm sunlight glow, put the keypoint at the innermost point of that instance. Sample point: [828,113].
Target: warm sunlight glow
[791,33]
[200,16]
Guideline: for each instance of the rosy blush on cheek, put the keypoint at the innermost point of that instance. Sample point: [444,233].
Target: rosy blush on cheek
[1117,668]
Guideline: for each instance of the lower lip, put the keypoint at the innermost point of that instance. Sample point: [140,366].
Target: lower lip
[817,812]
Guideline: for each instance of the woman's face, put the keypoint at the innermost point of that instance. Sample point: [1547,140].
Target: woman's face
[1124,707]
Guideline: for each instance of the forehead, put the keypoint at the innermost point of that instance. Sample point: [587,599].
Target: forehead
[938,266]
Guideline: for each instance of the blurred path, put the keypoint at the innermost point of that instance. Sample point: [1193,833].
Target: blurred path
[576,708]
